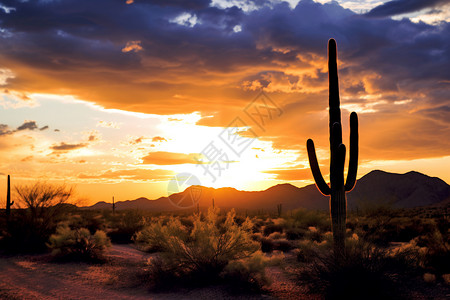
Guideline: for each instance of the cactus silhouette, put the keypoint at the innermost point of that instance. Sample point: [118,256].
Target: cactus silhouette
[337,189]
[279,207]
[9,203]
[113,207]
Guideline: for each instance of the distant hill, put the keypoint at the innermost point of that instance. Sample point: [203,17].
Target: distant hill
[376,188]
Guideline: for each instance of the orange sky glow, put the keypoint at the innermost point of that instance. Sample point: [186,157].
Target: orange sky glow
[115,98]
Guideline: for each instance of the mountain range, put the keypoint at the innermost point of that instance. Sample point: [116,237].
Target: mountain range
[376,188]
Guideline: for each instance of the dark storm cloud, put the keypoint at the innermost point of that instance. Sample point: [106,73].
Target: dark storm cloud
[398,7]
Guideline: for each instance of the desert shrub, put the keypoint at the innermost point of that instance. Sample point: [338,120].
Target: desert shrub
[382,229]
[302,218]
[366,272]
[78,244]
[271,228]
[295,233]
[188,222]
[124,226]
[247,274]
[91,220]
[267,245]
[43,206]
[276,235]
[156,237]
[283,245]
[436,252]
[257,224]
[201,253]
[314,235]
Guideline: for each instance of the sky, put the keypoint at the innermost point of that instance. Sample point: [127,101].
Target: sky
[116,97]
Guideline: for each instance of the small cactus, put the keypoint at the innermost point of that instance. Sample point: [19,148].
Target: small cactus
[9,203]
[113,207]
[279,207]
[337,189]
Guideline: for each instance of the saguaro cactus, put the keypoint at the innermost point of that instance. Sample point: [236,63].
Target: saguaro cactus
[337,189]
[279,207]
[9,203]
[113,207]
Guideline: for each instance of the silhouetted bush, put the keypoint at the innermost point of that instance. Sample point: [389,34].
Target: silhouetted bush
[91,220]
[267,245]
[283,245]
[302,218]
[201,253]
[271,228]
[78,244]
[436,252]
[366,272]
[124,226]
[247,274]
[43,205]
[295,233]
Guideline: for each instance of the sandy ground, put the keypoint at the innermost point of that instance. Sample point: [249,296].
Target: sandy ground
[37,277]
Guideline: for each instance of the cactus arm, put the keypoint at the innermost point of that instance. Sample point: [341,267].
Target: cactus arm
[320,182]
[353,155]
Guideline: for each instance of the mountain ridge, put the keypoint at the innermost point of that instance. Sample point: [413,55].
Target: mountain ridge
[411,189]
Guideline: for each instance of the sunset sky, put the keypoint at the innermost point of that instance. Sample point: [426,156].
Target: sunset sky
[115,97]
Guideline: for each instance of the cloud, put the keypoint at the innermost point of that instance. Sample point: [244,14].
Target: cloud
[291,174]
[27,125]
[132,46]
[131,174]
[105,124]
[31,125]
[93,136]
[4,130]
[158,139]
[398,7]
[75,48]
[64,147]
[170,158]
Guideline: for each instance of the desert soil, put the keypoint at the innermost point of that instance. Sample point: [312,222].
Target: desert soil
[122,277]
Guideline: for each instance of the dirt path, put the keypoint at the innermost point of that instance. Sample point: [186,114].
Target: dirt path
[37,277]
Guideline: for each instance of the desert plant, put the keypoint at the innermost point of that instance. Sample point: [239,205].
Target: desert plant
[279,208]
[271,228]
[9,203]
[337,188]
[113,207]
[125,225]
[302,218]
[205,250]
[246,274]
[78,244]
[43,206]
[364,272]
[43,200]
